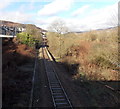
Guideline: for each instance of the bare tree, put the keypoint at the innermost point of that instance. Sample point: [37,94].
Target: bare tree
[59,27]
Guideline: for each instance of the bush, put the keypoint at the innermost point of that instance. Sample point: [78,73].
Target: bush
[31,36]
[104,55]
[60,44]
[95,51]
[27,39]
[93,37]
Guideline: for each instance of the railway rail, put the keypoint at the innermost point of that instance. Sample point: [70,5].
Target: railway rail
[59,96]
[33,80]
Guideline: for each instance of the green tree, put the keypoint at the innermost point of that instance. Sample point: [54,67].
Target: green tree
[34,32]
[31,36]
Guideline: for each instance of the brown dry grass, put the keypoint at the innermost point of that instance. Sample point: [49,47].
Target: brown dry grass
[95,51]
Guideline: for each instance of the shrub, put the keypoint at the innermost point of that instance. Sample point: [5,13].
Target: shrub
[27,39]
[95,51]
[93,37]
[31,35]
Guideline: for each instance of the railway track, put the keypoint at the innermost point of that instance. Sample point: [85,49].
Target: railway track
[33,80]
[59,96]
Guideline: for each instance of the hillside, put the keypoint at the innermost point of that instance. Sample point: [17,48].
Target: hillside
[95,53]
[15,24]
[16,74]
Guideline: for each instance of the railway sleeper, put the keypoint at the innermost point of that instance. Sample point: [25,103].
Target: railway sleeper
[53,80]
[58,96]
[56,88]
[58,93]
[61,103]
[60,100]
[54,83]
[65,107]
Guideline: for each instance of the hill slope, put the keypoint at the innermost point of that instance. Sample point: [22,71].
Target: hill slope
[14,24]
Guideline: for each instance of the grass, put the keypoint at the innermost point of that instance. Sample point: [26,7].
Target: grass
[95,51]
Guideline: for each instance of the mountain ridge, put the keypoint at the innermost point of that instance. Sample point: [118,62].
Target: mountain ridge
[15,24]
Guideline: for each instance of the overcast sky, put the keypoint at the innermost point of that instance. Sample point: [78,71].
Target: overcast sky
[79,15]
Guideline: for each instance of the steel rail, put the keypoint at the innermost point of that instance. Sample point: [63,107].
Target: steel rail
[59,96]
[33,79]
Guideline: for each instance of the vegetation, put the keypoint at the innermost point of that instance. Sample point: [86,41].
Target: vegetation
[58,26]
[58,30]
[31,36]
[95,51]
